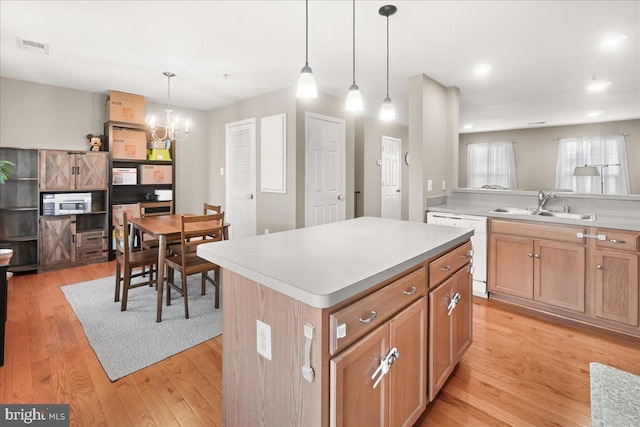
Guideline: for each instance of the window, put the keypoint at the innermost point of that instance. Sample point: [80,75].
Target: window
[607,153]
[491,164]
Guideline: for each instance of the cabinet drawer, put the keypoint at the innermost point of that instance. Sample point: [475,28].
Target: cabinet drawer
[89,252]
[563,233]
[90,238]
[346,326]
[445,266]
[617,239]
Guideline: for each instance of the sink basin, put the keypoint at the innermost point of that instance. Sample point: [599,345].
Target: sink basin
[515,211]
[568,215]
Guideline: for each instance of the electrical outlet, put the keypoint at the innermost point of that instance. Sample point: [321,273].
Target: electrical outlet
[444,185]
[263,333]
[429,185]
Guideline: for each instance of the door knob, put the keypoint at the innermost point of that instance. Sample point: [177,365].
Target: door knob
[599,267]
[250,196]
[340,197]
[398,190]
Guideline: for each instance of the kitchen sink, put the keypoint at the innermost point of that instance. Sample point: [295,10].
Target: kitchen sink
[515,211]
[568,215]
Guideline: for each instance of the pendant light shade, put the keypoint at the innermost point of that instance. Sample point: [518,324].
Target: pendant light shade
[354,98]
[387,112]
[306,82]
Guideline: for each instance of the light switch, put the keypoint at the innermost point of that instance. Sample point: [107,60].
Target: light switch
[430,185]
[444,185]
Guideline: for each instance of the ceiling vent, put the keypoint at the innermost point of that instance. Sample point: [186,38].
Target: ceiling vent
[33,46]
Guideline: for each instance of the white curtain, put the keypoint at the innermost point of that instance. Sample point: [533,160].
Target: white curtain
[596,151]
[491,164]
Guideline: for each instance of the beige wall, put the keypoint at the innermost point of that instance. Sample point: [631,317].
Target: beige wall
[368,134]
[34,115]
[536,150]
[274,211]
[433,141]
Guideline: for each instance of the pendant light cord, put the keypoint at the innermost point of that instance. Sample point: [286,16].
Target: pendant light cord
[306,21]
[168,93]
[354,41]
[387,56]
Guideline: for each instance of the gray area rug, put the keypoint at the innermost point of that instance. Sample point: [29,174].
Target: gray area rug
[615,396]
[127,341]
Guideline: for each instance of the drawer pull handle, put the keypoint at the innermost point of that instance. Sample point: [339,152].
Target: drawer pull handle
[529,254]
[447,268]
[371,318]
[411,292]
[536,256]
[599,267]
[465,256]
[616,241]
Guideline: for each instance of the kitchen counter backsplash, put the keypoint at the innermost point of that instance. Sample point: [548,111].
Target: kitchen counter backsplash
[611,211]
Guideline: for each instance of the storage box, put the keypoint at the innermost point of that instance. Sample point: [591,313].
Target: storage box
[129,144]
[155,174]
[125,176]
[161,154]
[131,209]
[125,107]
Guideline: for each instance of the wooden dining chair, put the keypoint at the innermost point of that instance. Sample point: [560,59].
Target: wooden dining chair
[148,209]
[212,208]
[195,230]
[128,259]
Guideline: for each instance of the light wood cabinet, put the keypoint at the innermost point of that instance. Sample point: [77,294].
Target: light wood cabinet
[614,268]
[67,170]
[450,327]
[592,277]
[400,396]
[543,270]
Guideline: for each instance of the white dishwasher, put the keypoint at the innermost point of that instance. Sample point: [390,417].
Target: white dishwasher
[478,241]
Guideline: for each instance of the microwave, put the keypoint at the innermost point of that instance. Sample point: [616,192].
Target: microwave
[66,203]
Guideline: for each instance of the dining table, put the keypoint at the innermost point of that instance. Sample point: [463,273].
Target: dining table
[168,228]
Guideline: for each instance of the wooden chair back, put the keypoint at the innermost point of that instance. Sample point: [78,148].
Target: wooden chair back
[192,236]
[212,208]
[123,241]
[156,208]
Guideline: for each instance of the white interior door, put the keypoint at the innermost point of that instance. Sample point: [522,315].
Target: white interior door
[240,210]
[391,200]
[325,170]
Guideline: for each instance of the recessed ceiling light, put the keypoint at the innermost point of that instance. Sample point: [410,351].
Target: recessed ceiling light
[612,41]
[468,126]
[598,86]
[595,113]
[33,46]
[482,70]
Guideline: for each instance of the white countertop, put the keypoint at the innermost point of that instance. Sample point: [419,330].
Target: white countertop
[324,265]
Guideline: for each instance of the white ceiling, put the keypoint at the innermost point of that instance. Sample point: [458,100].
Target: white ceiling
[543,54]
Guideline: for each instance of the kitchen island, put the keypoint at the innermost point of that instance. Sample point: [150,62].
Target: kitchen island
[310,314]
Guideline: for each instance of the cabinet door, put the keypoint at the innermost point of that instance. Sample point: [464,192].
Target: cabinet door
[57,236]
[616,286]
[57,170]
[511,268]
[353,400]
[407,376]
[559,274]
[91,168]
[462,314]
[441,360]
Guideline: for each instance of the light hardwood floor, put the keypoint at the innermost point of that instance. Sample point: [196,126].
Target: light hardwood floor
[519,371]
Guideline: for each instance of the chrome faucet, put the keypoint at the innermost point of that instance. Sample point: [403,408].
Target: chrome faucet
[543,198]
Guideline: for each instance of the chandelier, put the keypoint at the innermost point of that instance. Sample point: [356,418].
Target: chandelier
[170,130]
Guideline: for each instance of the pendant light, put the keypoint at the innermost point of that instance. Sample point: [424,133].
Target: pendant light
[306,82]
[354,98]
[387,112]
